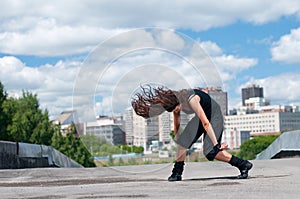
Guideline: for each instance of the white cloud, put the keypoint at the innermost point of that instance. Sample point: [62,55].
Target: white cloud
[287,49]
[151,65]
[228,65]
[211,48]
[52,83]
[282,88]
[49,39]
[69,27]
[171,40]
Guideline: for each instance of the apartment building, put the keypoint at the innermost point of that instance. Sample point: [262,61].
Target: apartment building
[263,123]
[140,131]
[234,138]
[107,129]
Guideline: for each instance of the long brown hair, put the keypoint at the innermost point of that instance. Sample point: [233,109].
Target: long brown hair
[153,101]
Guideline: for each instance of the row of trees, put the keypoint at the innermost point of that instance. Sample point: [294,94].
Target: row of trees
[22,120]
[250,148]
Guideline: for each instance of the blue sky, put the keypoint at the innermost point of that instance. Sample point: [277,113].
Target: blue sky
[43,45]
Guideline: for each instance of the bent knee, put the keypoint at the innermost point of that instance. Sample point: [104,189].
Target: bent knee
[212,154]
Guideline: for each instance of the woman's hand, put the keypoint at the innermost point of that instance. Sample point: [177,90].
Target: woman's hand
[224,146]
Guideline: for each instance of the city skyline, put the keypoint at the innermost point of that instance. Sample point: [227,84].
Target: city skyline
[43,45]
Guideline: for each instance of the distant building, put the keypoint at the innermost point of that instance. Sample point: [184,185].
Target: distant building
[65,119]
[251,91]
[128,125]
[220,97]
[254,103]
[165,127]
[234,138]
[152,130]
[107,129]
[263,123]
[140,131]
[278,108]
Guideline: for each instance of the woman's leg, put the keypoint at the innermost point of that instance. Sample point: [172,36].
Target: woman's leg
[184,140]
[179,164]
[223,156]
[243,165]
[212,152]
[180,154]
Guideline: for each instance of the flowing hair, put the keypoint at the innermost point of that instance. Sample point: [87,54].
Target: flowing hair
[152,102]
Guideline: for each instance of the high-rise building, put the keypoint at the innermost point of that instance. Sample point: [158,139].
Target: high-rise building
[165,127]
[220,97]
[251,91]
[140,131]
[128,125]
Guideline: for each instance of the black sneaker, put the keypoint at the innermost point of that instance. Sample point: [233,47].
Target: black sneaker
[244,170]
[177,172]
[174,177]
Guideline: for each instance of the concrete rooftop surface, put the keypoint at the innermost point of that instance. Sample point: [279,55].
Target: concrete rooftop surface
[276,178]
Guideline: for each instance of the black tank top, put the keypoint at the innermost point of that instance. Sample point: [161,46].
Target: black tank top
[205,102]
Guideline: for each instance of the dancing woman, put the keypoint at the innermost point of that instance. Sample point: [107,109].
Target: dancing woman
[208,120]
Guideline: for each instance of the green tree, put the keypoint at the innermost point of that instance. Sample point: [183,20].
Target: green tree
[110,161]
[133,149]
[3,117]
[43,131]
[121,162]
[25,120]
[71,146]
[108,149]
[93,143]
[251,148]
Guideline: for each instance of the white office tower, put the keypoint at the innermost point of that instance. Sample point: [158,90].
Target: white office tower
[165,124]
[128,125]
[140,131]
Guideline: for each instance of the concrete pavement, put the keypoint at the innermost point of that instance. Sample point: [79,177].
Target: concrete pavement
[278,178]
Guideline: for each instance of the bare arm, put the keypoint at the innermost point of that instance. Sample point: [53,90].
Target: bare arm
[176,115]
[195,104]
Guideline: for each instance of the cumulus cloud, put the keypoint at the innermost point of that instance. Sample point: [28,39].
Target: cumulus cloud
[123,64]
[228,65]
[131,70]
[52,83]
[68,27]
[287,49]
[280,89]
[47,38]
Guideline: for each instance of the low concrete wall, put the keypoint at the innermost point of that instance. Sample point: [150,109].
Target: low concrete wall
[22,155]
[8,155]
[286,145]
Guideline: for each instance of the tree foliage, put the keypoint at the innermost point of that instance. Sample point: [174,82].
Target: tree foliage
[72,146]
[132,149]
[3,119]
[93,143]
[25,120]
[250,148]
[22,120]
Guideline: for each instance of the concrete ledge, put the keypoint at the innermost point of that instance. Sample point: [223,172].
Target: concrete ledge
[286,144]
[14,155]
[8,155]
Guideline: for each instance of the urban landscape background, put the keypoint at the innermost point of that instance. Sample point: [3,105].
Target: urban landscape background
[42,53]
